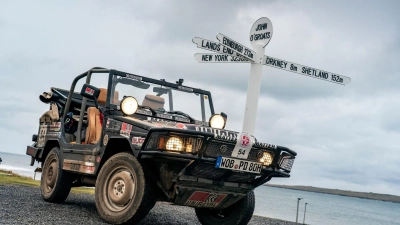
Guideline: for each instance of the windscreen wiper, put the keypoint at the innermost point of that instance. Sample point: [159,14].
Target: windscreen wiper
[152,110]
[182,114]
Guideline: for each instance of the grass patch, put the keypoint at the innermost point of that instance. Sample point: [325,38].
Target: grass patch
[10,178]
[83,190]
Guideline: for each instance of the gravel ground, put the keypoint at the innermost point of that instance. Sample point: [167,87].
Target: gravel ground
[24,205]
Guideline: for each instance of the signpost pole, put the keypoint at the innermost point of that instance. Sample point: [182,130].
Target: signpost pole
[253,91]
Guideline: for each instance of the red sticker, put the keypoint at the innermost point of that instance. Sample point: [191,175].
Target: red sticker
[126,130]
[89,91]
[137,141]
[245,140]
[181,126]
[205,199]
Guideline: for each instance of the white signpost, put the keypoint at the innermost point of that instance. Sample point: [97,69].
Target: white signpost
[219,58]
[213,46]
[231,51]
[239,48]
[305,70]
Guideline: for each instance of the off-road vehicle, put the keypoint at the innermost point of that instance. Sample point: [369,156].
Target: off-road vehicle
[140,140]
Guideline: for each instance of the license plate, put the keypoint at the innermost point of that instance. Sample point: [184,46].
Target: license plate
[238,165]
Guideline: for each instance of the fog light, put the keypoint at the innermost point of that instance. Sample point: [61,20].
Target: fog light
[287,163]
[174,144]
[265,159]
[217,121]
[189,148]
[129,105]
[161,143]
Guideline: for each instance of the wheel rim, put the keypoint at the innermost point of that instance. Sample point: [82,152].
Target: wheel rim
[50,174]
[119,189]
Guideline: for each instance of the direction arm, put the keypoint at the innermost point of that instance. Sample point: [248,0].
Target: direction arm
[305,70]
[237,47]
[214,46]
[219,58]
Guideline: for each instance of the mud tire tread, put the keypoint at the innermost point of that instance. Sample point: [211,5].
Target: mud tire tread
[146,203]
[63,183]
[241,215]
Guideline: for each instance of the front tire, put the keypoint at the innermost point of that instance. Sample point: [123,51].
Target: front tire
[238,213]
[55,183]
[122,193]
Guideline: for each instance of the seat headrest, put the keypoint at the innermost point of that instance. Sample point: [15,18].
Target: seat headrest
[103,97]
[153,101]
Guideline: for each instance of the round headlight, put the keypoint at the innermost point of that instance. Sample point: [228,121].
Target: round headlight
[217,121]
[265,159]
[174,144]
[129,105]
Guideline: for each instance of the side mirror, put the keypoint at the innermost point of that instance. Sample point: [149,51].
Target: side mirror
[224,115]
[160,91]
[90,92]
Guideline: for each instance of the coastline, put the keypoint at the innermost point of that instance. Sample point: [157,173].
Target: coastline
[364,195]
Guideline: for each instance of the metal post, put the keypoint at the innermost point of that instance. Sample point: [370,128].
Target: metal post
[253,91]
[305,209]
[297,214]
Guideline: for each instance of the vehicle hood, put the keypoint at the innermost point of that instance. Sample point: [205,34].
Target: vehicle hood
[157,123]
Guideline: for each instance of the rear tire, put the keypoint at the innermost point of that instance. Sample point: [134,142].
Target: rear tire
[238,213]
[55,183]
[122,193]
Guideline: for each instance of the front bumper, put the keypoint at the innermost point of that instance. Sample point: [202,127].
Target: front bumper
[197,183]
[200,167]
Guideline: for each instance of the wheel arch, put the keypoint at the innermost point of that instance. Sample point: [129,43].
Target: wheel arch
[114,146]
[50,144]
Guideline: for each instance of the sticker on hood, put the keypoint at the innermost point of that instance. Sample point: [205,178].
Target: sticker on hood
[126,130]
[138,141]
[243,146]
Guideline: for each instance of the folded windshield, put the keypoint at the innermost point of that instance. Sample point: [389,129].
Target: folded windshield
[181,101]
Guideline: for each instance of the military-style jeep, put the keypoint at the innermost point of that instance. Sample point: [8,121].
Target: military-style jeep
[169,146]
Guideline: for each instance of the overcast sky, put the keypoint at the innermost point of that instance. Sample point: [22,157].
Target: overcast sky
[347,137]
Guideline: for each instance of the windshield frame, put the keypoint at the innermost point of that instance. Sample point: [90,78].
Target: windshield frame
[114,74]
[111,87]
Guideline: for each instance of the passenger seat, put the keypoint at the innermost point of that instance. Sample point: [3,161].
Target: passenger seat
[153,101]
[93,131]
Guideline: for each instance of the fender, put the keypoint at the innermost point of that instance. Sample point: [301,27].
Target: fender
[114,145]
[47,147]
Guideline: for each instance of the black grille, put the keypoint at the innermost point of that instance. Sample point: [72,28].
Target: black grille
[208,171]
[241,177]
[214,150]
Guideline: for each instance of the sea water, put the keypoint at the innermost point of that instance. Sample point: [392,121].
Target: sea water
[19,164]
[281,203]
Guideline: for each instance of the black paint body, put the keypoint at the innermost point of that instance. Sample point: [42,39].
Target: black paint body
[177,175]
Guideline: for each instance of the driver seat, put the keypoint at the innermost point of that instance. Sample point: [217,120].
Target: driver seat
[94,117]
[93,131]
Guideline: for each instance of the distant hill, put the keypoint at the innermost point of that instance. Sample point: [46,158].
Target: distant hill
[370,195]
